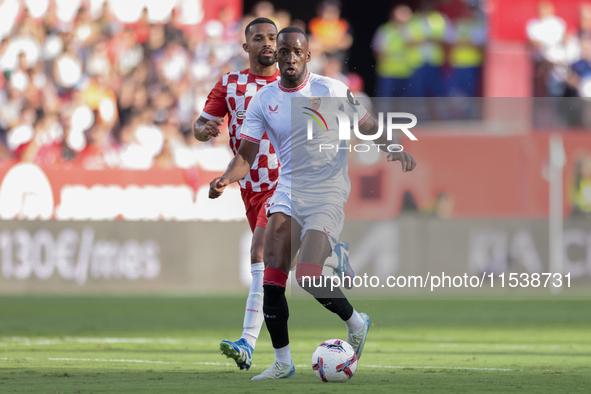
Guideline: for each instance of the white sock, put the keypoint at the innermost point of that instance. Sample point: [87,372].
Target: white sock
[253,314]
[355,322]
[283,355]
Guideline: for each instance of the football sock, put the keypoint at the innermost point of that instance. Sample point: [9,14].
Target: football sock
[355,323]
[275,307]
[283,355]
[253,315]
[332,299]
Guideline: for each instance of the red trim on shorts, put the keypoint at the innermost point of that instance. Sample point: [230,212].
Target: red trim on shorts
[275,277]
[308,269]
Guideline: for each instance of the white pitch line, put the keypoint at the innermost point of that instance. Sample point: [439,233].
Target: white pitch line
[467,368]
[113,360]
[254,365]
[228,364]
[299,365]
[21,341]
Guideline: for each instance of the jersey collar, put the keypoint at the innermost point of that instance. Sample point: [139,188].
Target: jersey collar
[291,90]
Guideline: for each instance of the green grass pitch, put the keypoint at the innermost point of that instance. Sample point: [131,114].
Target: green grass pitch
[170,345]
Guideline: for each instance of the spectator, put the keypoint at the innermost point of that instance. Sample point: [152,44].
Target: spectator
[546,36]
[443,206]
[585,20]
[581,191]
[334,69]
[283,18]
[425,35]
[263,9]
[332,32]
[467,39]
[390,50]
[581,70]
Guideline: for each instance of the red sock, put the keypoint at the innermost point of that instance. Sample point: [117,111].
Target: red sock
[308,269]
[275,277]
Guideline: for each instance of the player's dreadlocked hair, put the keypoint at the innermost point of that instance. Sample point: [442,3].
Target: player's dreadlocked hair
[256,22]
[292,29]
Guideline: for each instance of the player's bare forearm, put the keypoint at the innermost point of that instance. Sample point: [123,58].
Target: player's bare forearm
[237,169]
[204,129]
[370,127]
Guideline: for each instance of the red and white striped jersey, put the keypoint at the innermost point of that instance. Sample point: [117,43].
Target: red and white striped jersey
[231,96]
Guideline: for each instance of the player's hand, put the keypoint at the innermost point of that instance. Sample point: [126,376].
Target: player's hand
[210,129]
[407,161]
[217,186]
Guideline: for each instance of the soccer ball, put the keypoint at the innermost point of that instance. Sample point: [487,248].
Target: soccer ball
[203,137]
[334,361]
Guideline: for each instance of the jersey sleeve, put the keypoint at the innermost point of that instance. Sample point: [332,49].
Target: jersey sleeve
[215,106]
[350,105]
[253,127]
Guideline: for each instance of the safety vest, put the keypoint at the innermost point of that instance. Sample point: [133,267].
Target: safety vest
[434,27]
[582,196]
[393,58]
[464,54]
[415,37]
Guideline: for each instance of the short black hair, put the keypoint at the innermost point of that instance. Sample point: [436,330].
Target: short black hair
[256,22]
[292,29]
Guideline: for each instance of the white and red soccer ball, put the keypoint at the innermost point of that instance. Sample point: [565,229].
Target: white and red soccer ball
[334,361]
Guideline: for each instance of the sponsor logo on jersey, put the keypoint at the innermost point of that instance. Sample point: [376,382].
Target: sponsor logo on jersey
[241,114]
[273,110]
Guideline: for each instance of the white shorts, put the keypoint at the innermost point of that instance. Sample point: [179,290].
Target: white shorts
[326,215]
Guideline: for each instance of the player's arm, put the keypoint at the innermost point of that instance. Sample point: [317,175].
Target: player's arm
[204,129]
[237,169]
[212,117]
[370,127]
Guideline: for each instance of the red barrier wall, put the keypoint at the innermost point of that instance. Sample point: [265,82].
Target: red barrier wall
[486,176]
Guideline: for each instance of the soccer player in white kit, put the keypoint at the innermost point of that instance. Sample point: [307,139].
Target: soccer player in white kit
[231,96]
[319,184]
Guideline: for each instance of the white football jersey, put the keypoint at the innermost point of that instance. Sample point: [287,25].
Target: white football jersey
[285,115]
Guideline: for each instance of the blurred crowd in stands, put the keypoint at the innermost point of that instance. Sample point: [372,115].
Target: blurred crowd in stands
[114,84]
[99,85]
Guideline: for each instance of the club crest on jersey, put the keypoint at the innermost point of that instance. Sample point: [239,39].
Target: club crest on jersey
[315,103]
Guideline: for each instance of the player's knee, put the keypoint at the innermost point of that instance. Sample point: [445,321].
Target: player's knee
[276,259]
[256,255]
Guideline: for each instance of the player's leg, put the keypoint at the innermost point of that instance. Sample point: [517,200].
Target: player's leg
[253,315]
[314,250]
[339,262]
[241,350]
[278,257]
